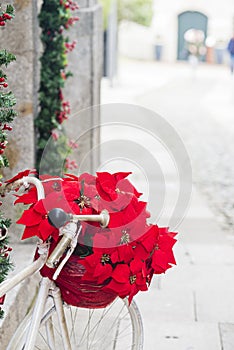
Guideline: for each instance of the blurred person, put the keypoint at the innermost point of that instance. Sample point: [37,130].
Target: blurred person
[231,52]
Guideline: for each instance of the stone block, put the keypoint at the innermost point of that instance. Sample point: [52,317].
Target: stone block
[83,88]
[181,336]
[15,36]
[227,335]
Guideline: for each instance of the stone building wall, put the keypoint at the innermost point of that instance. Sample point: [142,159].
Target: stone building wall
[21,37]
[18,38]
[83,89]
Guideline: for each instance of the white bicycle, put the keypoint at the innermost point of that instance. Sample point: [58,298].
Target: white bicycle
[51,324]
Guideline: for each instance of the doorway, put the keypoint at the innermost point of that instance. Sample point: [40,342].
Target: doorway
[189,20]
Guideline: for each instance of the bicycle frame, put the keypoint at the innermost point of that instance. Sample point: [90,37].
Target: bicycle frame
[47,286]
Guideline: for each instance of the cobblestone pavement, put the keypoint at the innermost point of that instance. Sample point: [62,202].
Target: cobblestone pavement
[191,307]
[200,105]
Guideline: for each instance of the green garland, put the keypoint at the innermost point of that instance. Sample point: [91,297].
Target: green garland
[54,18]
[5,263]
[7,115]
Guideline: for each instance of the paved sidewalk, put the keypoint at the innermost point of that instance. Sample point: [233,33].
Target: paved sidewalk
[190,307]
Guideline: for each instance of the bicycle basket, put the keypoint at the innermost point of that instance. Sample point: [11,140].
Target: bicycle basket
[76,291]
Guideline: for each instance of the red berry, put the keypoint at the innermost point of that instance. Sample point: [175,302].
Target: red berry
[1,151]
[7,16]
[5,85]
[7,127]
[2,24]
[2,79]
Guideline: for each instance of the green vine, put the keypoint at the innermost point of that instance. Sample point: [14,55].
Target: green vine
[7,115]
[55,17]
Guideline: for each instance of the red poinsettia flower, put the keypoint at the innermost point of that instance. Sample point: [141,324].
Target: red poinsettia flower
[107,239]
[28,198]
[21,174]
[163,257]
[51,183]
[145,244]
[82,198]
[127,280]
[130,223]
[122,257]
[99,265]
[115,191]
[36,218]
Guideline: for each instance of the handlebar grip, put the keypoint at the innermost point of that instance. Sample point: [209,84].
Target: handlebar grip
[58,218]
[60,249]
[69,232]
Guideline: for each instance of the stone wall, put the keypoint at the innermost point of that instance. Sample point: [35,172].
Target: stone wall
[83,89]
[21,37]
[18,38]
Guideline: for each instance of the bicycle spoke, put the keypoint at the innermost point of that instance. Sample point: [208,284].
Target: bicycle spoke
[109,328]
[73,318]
[104,314]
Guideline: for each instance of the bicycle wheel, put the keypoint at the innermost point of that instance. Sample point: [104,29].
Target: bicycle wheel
[115,327]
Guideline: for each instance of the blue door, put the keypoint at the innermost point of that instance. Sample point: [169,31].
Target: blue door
[189,20]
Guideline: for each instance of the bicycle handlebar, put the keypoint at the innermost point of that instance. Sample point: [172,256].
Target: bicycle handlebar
[69,231]
[26,180]
[58,218]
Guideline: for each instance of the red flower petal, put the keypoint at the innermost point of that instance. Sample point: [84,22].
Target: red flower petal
[2,299]
[160,261]
[149,239]
[30,231]
[70,177]
[102,272]
[121,289]
[27,198]
[39,207]
[121,273]
[88,178]
[30,218]
[136,265]
[46,230]
[21,174]
[125,253]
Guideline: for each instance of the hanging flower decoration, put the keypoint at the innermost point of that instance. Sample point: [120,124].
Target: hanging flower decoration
[55,19]
[120,259]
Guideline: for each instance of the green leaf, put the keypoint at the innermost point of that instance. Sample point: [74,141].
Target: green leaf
[10,10]
[6,57]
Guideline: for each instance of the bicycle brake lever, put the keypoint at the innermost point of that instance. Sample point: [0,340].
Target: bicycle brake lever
[58,218]
[73,244]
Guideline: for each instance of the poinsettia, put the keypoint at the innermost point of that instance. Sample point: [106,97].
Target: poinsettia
[163,257]
[99,265]
[128,279]
[115,190]
[20,175]
[120,259]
